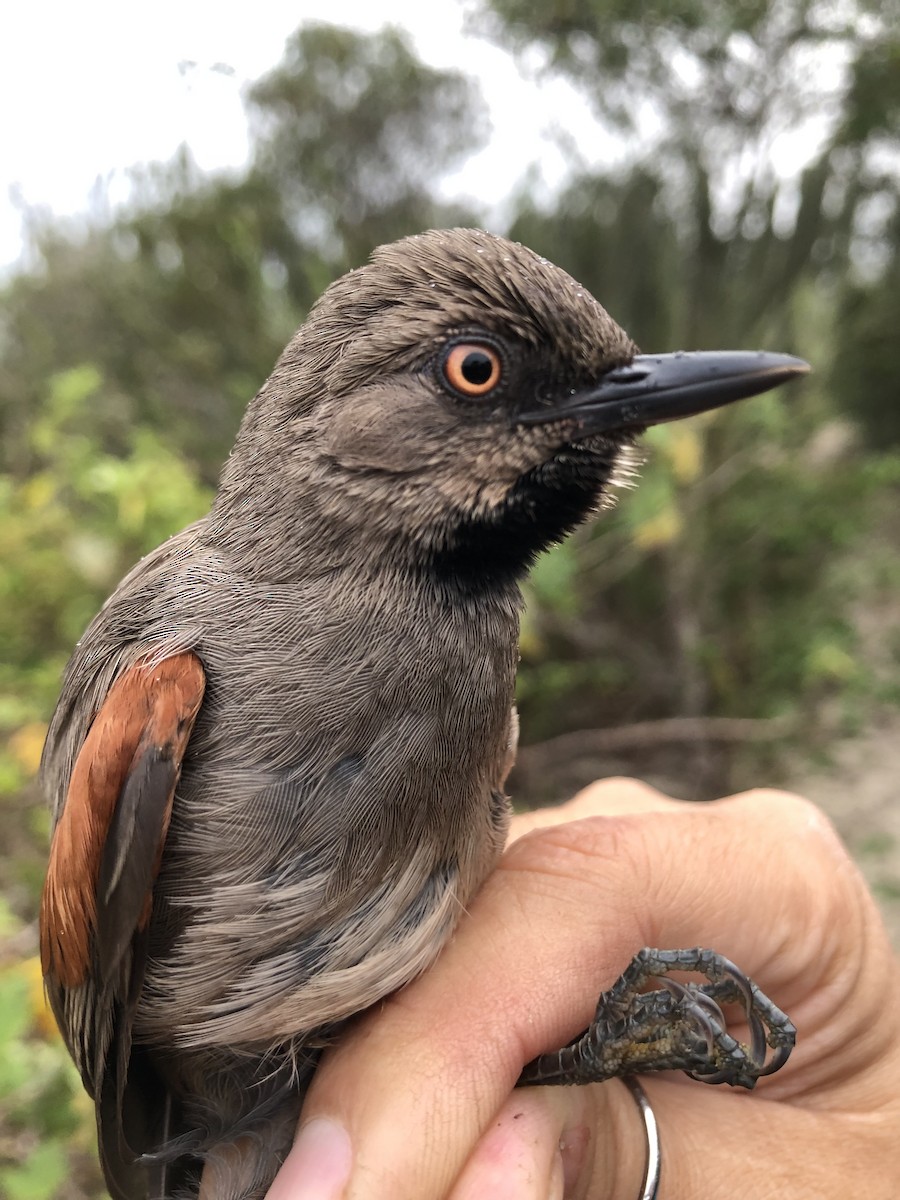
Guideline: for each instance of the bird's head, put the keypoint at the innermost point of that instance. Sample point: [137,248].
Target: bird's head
[459,403]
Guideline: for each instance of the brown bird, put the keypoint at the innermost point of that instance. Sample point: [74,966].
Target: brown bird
[277,764]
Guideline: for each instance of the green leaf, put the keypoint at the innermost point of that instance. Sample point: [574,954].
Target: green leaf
[15,1010]
[554,578]
[39,1177]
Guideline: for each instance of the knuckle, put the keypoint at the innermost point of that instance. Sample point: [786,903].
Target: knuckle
[795,819]
[617,792]
[594,852]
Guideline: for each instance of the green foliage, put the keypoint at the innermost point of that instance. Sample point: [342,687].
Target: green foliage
[867,364]
[68,532]
[46,1121]
[40,1175]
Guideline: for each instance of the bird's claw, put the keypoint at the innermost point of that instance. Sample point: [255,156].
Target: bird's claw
[676,1026]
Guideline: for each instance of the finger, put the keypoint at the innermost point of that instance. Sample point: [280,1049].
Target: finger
[318,1166]
[606,797]
[543,1144]
[760,877]
[719,1145]
[558,1144]
[574,1143]
[520,1157]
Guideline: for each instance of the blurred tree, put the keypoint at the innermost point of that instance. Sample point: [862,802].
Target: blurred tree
[69,532]
[867,348]
[613,234]
[354,134]
[185,301]
[707,105]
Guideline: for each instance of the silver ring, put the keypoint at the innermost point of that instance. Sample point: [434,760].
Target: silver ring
[650,1186]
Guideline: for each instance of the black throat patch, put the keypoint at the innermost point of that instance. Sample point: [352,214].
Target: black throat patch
[496,548]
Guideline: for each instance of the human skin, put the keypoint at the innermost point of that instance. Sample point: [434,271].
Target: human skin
[418,1101]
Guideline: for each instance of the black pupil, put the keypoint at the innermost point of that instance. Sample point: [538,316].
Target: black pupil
[477,368]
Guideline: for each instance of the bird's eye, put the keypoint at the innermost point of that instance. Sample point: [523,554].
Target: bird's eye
[472,369]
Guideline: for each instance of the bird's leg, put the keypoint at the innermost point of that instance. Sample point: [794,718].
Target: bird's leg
[678,1026]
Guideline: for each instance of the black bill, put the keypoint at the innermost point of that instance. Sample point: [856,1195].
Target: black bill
[654,388]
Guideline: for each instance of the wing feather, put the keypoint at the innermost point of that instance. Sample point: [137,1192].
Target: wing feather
[97,902]
[109,839]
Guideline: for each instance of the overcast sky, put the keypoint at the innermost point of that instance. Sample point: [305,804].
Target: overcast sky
[89,88]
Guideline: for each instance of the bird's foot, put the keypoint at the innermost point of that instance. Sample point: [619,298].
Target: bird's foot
[677,1026]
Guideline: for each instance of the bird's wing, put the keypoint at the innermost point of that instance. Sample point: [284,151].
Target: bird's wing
[108,842]
[104,859]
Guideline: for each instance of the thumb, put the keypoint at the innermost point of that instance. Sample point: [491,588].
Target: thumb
[558,1144]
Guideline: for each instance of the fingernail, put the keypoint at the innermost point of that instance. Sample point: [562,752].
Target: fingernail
[318,1166]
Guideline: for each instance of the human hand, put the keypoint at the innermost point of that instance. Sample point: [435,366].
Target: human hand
[424,1085]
